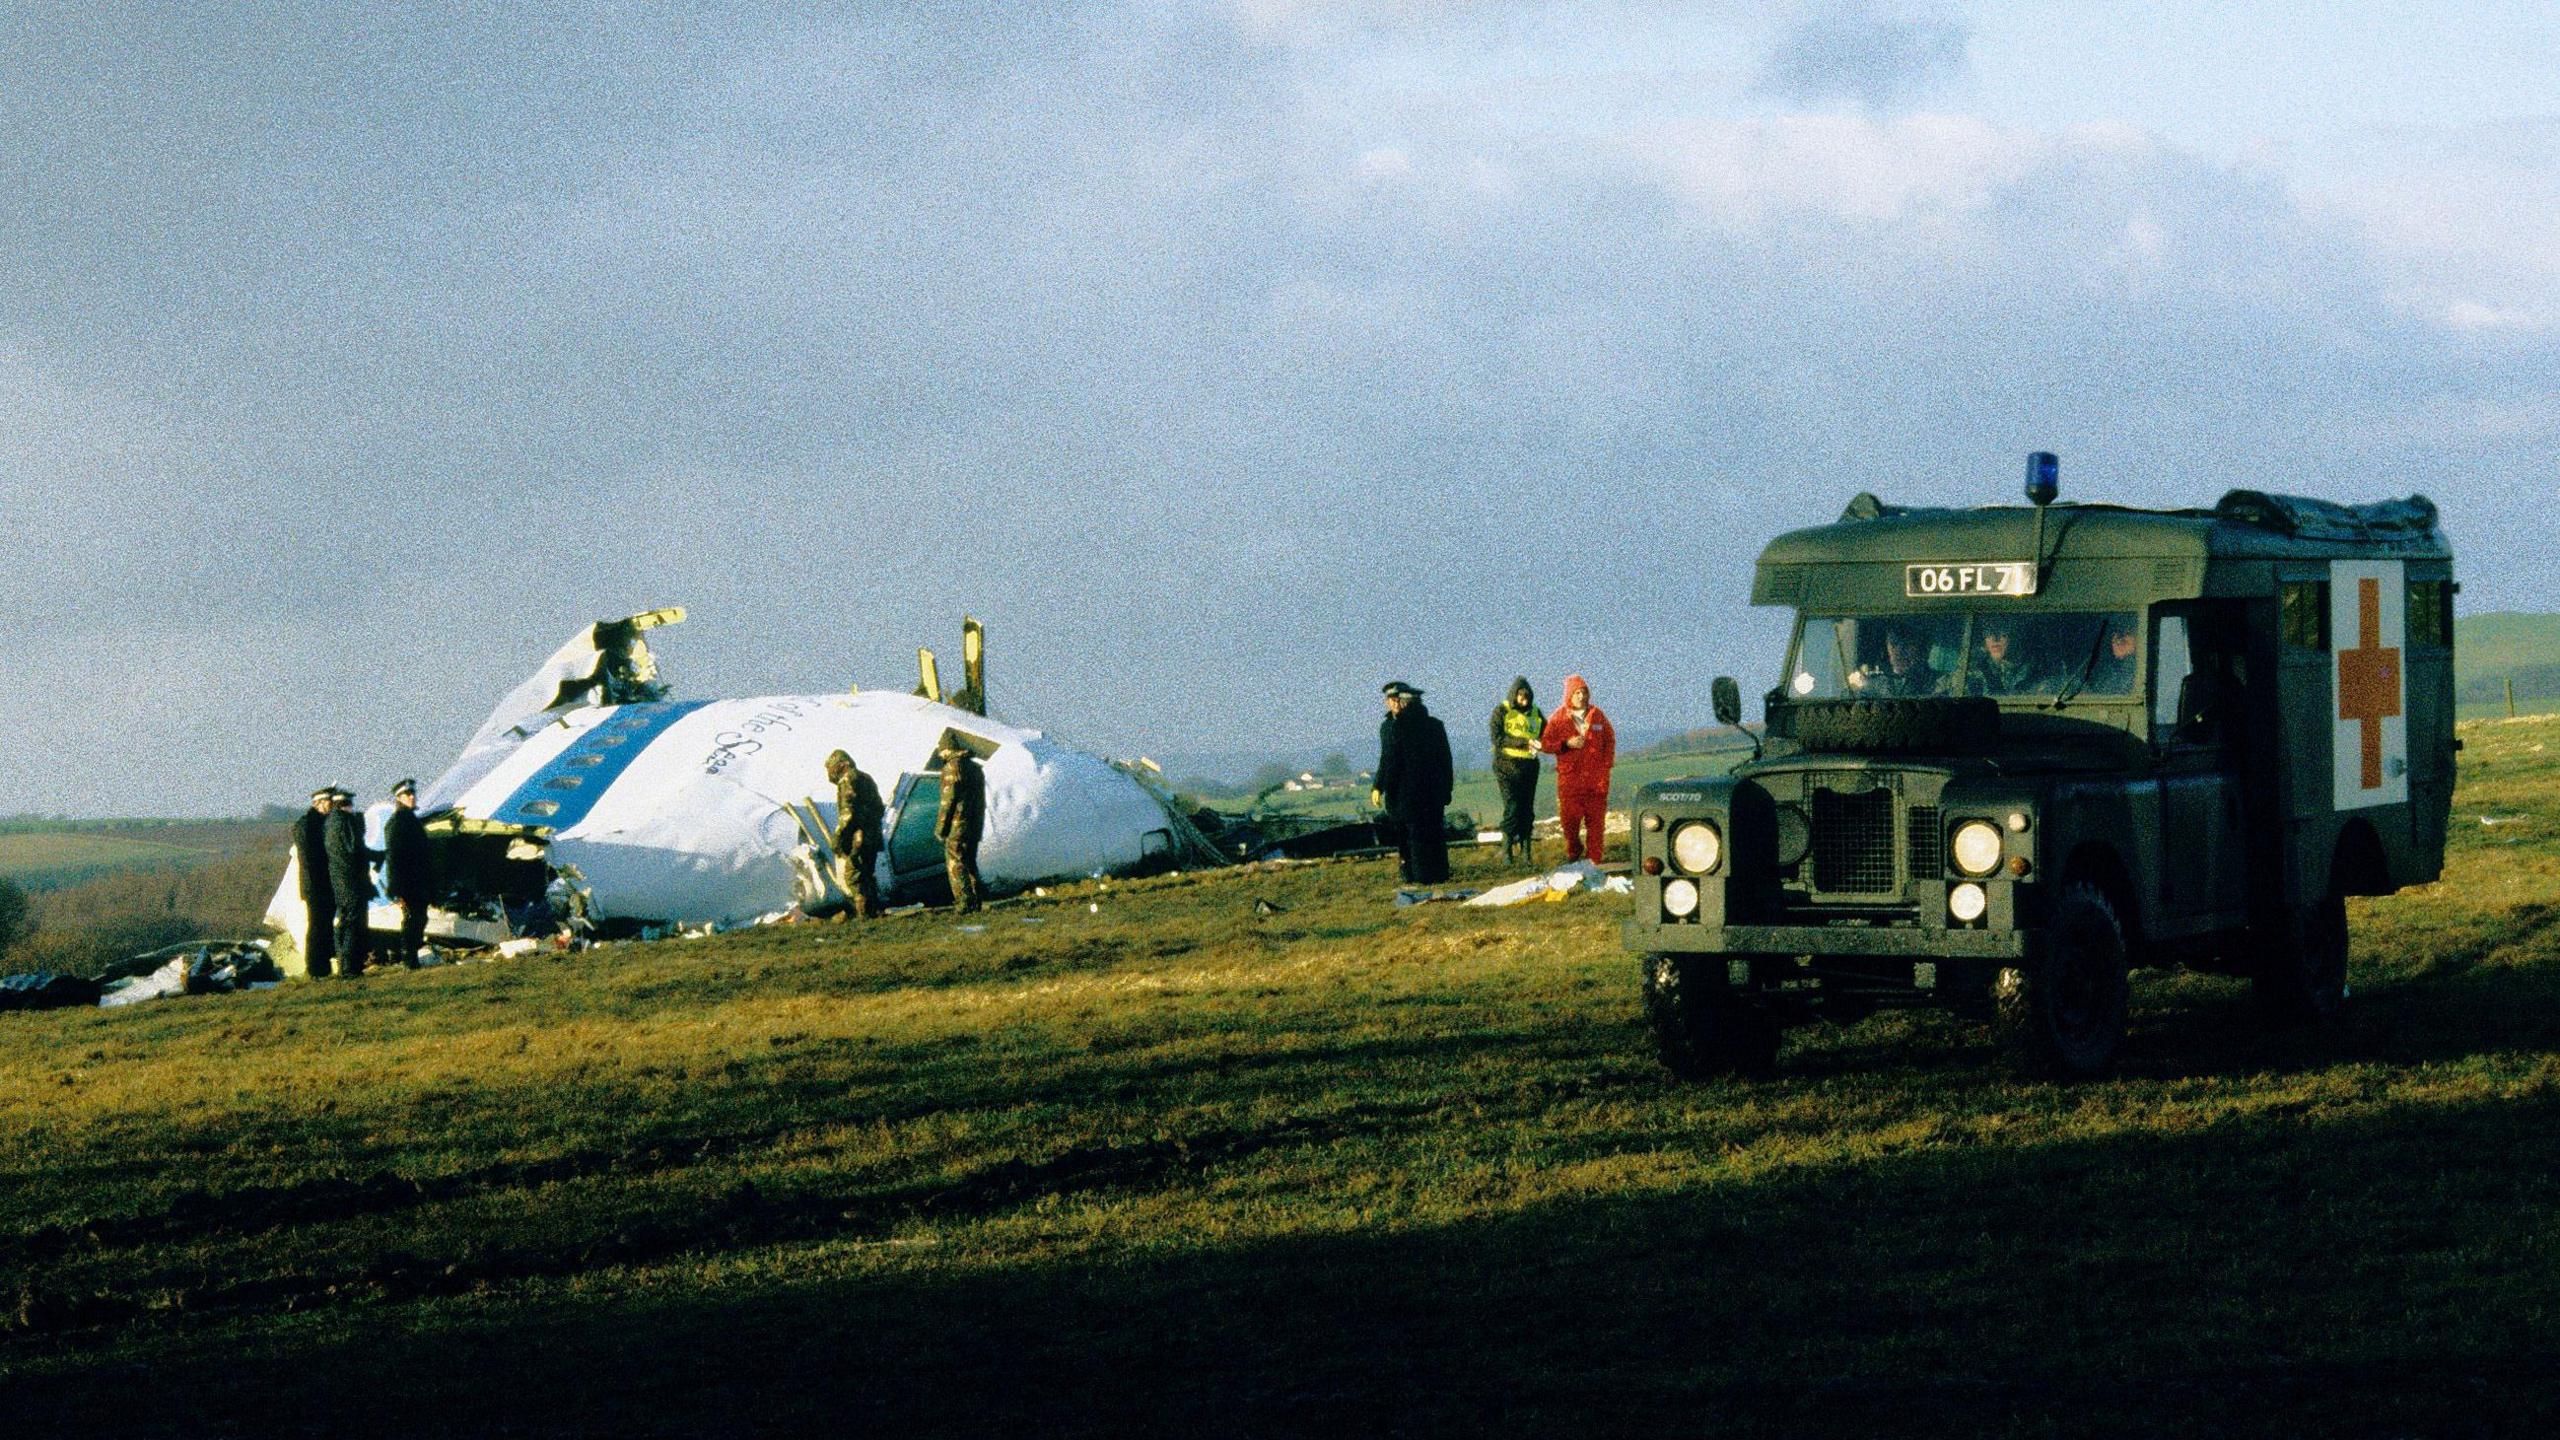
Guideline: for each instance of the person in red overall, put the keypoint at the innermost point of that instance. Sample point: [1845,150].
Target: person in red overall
[1585,747]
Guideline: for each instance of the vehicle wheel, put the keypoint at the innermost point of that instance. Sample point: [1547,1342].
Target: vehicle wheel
[1700,1028]
[2300,977]
[2062,1014]
[1895,726]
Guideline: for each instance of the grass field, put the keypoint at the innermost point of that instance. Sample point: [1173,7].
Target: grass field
[53,856]
[1134,1160]
[1475,794]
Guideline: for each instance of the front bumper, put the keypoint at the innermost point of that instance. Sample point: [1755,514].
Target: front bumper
[1908,942]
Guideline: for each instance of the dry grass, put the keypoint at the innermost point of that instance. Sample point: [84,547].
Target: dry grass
[1162,1166]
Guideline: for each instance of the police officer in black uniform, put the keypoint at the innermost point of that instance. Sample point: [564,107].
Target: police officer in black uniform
[311,867]
[408,869]
[351,879]
[1415,775]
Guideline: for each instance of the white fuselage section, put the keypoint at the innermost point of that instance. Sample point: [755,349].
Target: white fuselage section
[675,811]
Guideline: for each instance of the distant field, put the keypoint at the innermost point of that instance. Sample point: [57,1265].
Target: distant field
[1150,1159]
[104,891]
[2494,649]
[54,856]
[1475,792]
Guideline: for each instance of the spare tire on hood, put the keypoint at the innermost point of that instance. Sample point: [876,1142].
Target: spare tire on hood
[1959,724]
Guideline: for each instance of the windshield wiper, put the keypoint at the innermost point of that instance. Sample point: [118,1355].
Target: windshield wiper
[2097,642]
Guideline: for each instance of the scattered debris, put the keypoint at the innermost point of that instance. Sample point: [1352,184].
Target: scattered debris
[1264,909]
[1432,897]
[198,967]
[1557,884]
[45,990]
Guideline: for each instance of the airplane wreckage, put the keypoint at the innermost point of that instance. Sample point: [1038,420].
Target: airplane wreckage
[590,799]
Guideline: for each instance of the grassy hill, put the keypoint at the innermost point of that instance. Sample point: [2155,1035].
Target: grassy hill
[48,855]
[2490,650]
[105,890]
[1475,792]
[1132,1159]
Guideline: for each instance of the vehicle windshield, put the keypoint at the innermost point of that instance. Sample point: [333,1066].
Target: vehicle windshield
[1989,651]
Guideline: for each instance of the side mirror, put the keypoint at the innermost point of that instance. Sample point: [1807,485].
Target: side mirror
[1728,700]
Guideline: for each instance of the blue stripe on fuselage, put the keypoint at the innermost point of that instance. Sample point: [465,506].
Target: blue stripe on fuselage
[571,782]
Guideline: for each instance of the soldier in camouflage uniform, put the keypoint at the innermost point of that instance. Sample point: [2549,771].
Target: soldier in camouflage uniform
[857,837]
[960,820]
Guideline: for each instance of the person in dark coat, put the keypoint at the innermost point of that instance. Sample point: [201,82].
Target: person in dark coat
[960,820]
[1415,775]
[857,838]
[351,879]
[408,870]
[1518,727]
[311,866]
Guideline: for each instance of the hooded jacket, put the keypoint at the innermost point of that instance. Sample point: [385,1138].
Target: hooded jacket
[1517,734]
[1584,770]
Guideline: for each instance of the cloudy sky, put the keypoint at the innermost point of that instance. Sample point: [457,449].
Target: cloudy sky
[1225,358]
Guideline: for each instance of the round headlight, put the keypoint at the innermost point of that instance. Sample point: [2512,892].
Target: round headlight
[1696,847]
[1967,902]
[1680,899]
[1795,834]
[1977,847]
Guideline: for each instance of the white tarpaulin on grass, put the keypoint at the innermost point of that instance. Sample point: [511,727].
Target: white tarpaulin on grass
[1555,884]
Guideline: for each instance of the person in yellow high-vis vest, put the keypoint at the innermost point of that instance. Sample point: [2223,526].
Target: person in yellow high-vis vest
[1517,725]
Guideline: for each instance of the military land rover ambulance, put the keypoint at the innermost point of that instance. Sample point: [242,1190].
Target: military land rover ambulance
[2019,749]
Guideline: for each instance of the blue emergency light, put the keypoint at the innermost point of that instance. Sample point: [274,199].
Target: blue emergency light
[2044,477]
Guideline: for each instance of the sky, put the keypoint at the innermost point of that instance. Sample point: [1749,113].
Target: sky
[1225,359]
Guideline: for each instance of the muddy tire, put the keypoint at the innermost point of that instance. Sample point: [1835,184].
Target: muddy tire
[1937,724]
[2061,1015]
[2300,974]
[1701,1029]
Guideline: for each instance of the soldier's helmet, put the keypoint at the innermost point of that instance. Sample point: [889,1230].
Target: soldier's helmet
[838,762]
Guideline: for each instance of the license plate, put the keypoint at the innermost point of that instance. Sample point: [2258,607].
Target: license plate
[1972,577]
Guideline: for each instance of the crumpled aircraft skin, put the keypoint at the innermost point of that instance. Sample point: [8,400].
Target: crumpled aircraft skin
[678,811]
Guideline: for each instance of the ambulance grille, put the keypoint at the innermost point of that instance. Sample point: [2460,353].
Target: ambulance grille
[1924,837]
[1853,842]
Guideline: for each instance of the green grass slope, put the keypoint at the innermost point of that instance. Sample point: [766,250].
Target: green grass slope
[1136,1160]
[43,855]
[1476,794]
[2490,650]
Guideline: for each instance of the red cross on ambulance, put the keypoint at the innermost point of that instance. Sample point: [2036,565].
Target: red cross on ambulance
[2368,628]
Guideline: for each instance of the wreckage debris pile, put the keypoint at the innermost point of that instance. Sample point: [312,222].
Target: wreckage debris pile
[1555,885]
[199,967]
[44,990]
